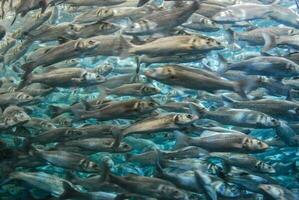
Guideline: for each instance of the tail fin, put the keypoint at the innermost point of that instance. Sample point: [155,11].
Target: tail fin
[181,140]
[270,42]
[142,2]
[204,180]
[56,110]
[14,19]
[230,35]
[197,109]
[158,163]
[117,141]
[106,161]
[228,101]
[69,191]
[242,86]
[26,80]
[124,47]
[78,114]
[28,68]
[224,62]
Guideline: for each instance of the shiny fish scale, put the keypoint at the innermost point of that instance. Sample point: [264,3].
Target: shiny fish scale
[149,99]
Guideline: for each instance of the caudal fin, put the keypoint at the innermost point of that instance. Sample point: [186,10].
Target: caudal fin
[270,42]
[26,80]
[181,140]
[124,47]
[56,110]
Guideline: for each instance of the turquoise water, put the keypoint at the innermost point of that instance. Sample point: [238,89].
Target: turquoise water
[22,152]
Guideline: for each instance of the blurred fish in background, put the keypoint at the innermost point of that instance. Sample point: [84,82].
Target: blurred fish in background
[149,99]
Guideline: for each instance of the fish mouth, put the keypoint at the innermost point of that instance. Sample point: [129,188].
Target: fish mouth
[149,73]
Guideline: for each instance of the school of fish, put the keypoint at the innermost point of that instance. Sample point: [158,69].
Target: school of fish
[149,99]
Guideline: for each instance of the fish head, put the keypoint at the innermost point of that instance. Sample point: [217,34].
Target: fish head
[124,147]
[268,121]
[228,190]
[161,73]
[86,44]
[173,192]
[226,16]
[104,69]
[149,90]
[24,97]
[108,26]
[293,32]
[254,144]
[47,125]
[104,13]
[146,105]
[136,27]
[264,167]
[73,133]
[17,117]
[272,190]
[93,77]
[183,119]
[292,67]
[88,165]
[205,43]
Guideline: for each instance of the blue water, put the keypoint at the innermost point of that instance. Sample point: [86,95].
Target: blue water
[285,159]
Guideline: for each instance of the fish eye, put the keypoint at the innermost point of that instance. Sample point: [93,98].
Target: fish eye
[151,104]
[91,42]
[189,116]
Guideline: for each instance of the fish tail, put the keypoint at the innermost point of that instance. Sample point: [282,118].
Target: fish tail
[158,162]
[240,89]
[124,48]
[230,35]
[270,42]
[224,63]
[79,114]
[14,19]
[25,80]
[104,92]
[118,138]
[142,2]
[69,191]
[181,140]
[56,110]
[27,67]
[106,168]
[228,101]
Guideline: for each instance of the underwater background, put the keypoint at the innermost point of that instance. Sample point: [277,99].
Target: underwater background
[141,99]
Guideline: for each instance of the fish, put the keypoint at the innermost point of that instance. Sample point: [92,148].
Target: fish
[219,142]
[155,23]
[160,123]
[67,160]
[149,99]
[124,109]
[280,67]
[64,77]
[162,188]
[2,32]
[238,117]
[181,44]
[277,192]
[243,12]
[133,89]
[177,75]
